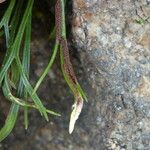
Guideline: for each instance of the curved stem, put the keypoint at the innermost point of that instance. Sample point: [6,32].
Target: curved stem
[47,68]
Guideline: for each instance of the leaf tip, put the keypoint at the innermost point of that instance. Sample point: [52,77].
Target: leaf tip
[77,108]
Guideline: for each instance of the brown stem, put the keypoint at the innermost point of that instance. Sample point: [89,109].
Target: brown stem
[67,63]
[58,20]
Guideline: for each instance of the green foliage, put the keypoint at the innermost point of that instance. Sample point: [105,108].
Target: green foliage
[142,21]
[15,27]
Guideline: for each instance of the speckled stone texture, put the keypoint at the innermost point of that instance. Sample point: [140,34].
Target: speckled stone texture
[113,40]
[110,51]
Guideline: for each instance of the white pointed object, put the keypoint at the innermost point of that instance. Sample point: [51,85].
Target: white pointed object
[77,108]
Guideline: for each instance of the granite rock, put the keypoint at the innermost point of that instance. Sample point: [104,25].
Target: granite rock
[113,40]
[110,51]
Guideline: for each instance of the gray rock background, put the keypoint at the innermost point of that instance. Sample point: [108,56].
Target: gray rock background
[110,50]
[110,39]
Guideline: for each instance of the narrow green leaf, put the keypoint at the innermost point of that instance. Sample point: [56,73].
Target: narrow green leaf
[9,96]
[26,120]
[10,121]
[7,14]
[15,47]
[29,88]
[82,92]
[47,68]
[52,34]
[6,29]
[26,66]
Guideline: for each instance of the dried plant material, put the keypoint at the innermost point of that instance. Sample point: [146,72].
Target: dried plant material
[77,108]
[71,79]
[68,68]
[58,20]
[66,64]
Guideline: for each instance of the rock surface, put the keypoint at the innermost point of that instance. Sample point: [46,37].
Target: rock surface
[112,62]
[113,38]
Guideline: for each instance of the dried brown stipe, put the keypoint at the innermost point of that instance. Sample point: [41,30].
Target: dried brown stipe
[58,19]
[67,63]
[63,42]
